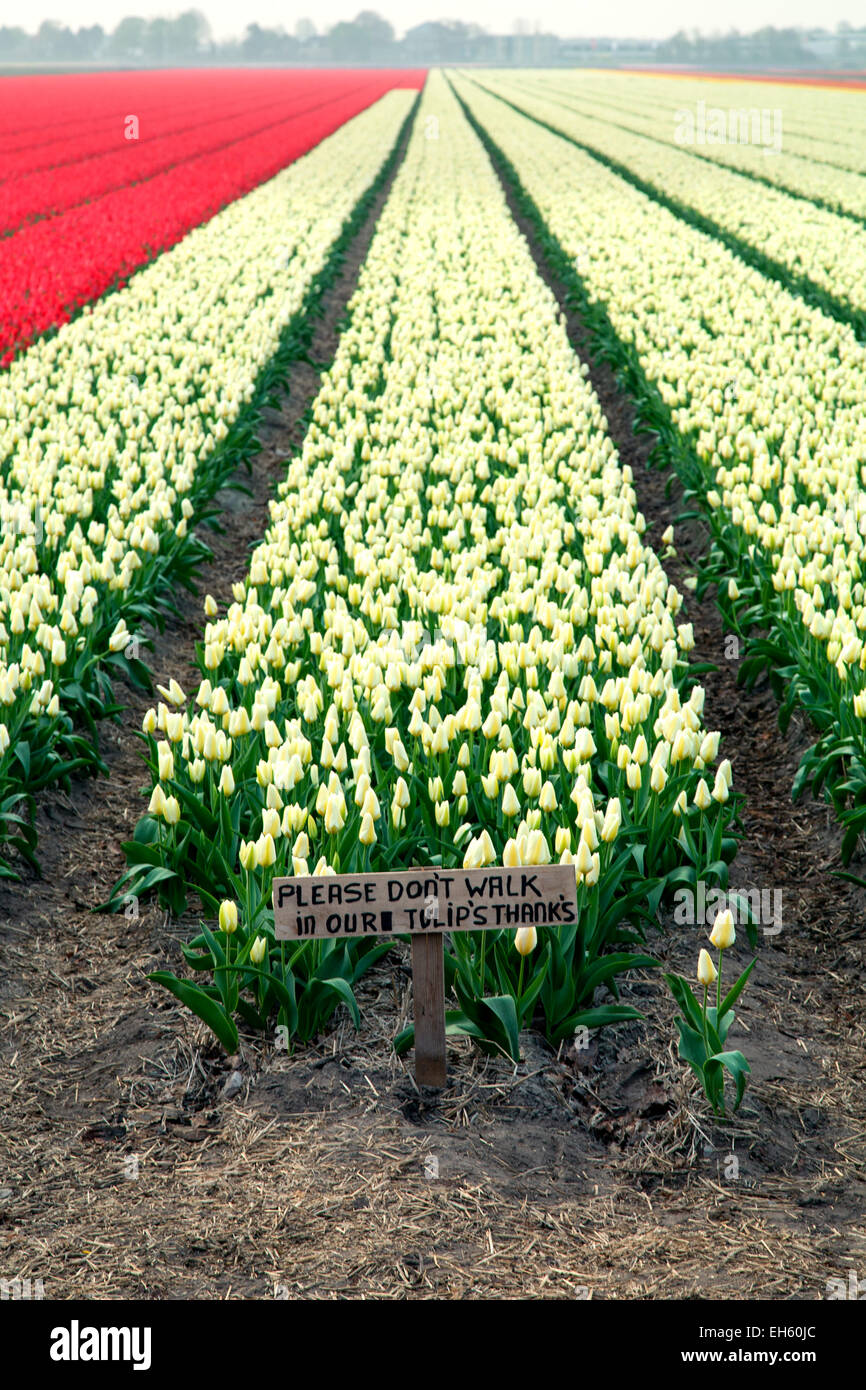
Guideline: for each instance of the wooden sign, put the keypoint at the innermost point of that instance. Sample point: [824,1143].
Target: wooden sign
[424,903]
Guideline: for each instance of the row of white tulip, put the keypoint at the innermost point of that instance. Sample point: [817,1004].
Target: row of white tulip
[768,392]
[807,241]
[110,430]
[808,141]
[456,476]
[825,124]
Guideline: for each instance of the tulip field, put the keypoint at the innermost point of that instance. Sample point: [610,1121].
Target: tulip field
[128,420]
[462,637]
[761,399]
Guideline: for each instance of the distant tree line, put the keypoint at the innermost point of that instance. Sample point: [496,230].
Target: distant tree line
[188,38]
[767,48]
[369,39]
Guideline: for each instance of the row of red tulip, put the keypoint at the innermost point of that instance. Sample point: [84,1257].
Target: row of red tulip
[51,267]
[133,144]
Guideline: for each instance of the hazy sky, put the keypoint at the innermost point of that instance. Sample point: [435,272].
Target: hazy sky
[616,18]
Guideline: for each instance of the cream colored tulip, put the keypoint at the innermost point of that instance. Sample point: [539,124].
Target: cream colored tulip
[706,970]
[525,940]
[723,932]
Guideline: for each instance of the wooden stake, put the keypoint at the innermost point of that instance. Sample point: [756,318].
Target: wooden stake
[428,980]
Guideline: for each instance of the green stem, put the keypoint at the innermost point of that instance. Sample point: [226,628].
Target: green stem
[706,1037]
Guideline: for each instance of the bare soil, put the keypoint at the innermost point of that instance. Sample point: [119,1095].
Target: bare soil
[141,1163]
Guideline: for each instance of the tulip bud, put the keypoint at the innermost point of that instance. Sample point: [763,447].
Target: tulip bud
[119,637]
[370,805]
[490,786]
[166,762]
[589,832]
[472,857]
[525,940]
[532,781]
[706,970]
[492,724]
[174,693]
[488,853]
[723,933]
[266,851]
[174,727]
[583,858]
[510,802]
[258,949]
[227,781]
[334,818]
[720,790]
[239,722]
[702,796]
[537,849]
[259,716]
[228,916]
[612,821]
[710,747]
[219,702]
[439,742]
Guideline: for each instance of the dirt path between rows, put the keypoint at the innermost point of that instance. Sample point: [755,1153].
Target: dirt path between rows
[141,1163]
